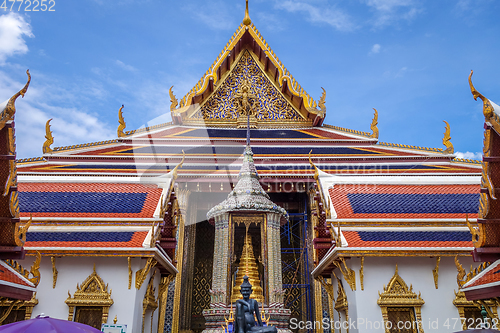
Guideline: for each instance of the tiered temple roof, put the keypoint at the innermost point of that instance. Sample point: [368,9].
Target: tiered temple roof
[364,182]
[15,282]
[484,282]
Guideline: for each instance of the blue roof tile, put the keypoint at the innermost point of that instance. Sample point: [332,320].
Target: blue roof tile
[79,236]
[81,202]
[414,236]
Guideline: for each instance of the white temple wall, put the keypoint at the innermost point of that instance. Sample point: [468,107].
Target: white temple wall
[127,304]
[415,271]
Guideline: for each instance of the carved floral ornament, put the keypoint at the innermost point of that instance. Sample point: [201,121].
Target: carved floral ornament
[245,89]
[92,292]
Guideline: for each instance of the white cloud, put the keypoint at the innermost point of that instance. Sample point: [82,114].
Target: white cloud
[469,155]
[271,22]
[390,11]
[402,72]
[13,29]
[47,99]
[214,14]
[375,49]
[331,16]
[125,66]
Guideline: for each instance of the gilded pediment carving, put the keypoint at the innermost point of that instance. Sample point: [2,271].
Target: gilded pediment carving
[268,104]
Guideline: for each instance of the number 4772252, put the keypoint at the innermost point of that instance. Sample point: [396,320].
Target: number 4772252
[28,5]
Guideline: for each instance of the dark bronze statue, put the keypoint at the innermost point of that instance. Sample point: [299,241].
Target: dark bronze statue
[247,311]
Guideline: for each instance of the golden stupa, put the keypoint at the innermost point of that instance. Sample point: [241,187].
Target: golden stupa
[248,267]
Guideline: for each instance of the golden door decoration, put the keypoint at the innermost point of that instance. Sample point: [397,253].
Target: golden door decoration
[92,294]
[271,105]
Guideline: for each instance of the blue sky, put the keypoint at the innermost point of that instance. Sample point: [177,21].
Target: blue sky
[408,58]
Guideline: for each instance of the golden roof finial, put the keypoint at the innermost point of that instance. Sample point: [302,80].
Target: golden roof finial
[49,138]
[446,140]
[316,172]
[487,107]
[34,270]
[20,233]
[122,125]
[247,21]
[173,99]
[174,172]
[374,124]
[10,109]
[321,101]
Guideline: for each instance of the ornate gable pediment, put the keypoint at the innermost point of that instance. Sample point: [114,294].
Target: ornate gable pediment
[247,56]
[268,103]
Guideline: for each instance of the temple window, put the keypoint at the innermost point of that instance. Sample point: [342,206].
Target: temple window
[341,305]
[401,307]
[89,315]
[149,304]
[12,310]
[402,315]
[470,312]
[90,302]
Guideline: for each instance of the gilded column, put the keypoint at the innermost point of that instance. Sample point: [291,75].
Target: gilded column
[318,304]
[182,199]
[162,298]
[188,264]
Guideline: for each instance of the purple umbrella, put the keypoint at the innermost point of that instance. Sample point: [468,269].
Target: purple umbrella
[44,324]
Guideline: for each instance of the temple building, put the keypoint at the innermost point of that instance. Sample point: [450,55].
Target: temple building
[17,284]
[155,229]
[483,284]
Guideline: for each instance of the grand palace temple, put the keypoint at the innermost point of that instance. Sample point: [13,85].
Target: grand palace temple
[155,230]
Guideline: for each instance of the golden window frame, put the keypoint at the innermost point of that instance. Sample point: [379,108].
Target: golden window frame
[397,294]
[150,302]
[92,292]
[461,303]
[341,304]
[13,304]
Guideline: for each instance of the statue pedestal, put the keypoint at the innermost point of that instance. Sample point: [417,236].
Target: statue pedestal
[215,317]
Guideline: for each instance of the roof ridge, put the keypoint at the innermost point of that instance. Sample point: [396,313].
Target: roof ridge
[398,145]
[284,73]
[96,143]
[148,128]
[466,160]
[85,145]
[30,159]
[347,130]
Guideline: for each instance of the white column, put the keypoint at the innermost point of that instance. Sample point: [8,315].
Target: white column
[221,256]
[275,281]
